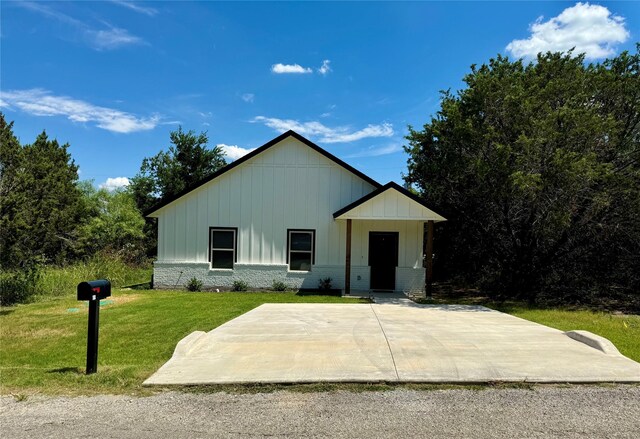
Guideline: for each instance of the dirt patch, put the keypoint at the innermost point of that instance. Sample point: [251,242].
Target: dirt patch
[37,333]
[119,300]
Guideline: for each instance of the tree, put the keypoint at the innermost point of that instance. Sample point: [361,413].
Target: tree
[536,167]
[187,161]
[41,205]
[114,224]
[12,195]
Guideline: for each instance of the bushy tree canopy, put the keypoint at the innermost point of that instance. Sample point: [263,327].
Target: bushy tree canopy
[113,224]
[40,206]
[536,166]
[187,161]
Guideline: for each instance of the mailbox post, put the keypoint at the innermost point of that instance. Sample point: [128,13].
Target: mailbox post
[93,291]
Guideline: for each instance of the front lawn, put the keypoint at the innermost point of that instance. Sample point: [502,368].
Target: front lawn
[43,345]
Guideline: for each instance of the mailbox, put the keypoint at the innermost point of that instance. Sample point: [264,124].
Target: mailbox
[94,289]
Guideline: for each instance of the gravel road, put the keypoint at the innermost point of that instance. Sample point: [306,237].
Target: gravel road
[546,412]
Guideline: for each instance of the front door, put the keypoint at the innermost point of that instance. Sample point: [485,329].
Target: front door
[383,259]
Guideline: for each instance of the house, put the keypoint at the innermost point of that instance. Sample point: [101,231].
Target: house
[292,212]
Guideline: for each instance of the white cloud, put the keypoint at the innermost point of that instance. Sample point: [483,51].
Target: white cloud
[325,68]
[324,133]
[289,68]
[137,8]
[375,151]
[115,183]
[591,29]
[39,102]
[112,38]
[100,39]
[248,97]
[234,152]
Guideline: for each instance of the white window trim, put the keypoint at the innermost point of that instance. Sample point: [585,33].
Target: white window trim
[311,252]
[212,249]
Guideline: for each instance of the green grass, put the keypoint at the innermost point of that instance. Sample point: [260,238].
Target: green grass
[58,281]
[44,344]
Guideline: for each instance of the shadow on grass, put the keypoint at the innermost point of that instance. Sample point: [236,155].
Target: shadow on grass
[506,306]
[336,293]
[6,312]
[69,370]
[141,286]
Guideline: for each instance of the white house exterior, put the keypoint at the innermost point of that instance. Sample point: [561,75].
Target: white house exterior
[290,211]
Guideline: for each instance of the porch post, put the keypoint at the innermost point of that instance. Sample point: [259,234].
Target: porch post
[429,279]
[347,265]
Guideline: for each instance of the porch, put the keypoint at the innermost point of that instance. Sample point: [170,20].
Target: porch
[390,225]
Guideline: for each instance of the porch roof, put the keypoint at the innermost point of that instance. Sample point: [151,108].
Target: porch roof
[389,202]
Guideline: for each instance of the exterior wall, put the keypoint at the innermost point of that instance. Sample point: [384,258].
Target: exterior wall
[410,275]
[289,186]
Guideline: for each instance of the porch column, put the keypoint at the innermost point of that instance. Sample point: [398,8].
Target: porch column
[347,264]
[429,251]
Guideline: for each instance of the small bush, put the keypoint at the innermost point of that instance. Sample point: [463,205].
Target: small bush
[19,286]
[325,284]
[279,286]
[240,285]
[194,284]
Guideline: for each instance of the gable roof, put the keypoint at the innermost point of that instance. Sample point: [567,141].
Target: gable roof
[379,193]
[162,203]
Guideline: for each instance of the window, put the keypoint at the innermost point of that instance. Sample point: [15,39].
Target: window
[301,248]
[223,242]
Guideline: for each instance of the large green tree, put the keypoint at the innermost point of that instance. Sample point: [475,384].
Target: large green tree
[536,167]
[187,161]
[41,205]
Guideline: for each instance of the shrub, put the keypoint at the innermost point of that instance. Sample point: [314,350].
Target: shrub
[325,284]
[194,284]
[18,286]
[279,286]
[239,285]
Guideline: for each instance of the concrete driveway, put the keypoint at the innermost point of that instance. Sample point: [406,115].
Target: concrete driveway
[294,343]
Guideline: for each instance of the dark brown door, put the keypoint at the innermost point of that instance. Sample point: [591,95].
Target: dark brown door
[383,259]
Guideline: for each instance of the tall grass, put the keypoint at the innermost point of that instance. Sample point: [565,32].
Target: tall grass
[40,282]
[60,281]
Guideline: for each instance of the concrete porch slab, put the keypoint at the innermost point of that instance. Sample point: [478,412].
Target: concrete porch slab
[301,343]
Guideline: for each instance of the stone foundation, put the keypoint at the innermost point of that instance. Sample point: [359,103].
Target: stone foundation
[174,275]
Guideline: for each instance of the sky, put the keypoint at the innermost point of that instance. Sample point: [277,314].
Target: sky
[114,78]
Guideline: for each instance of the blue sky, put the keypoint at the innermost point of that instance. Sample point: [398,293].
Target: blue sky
[113,78]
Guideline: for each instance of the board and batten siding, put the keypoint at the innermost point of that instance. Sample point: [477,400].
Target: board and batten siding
[288,186]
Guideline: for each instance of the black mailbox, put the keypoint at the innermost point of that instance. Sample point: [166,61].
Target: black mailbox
[94,289]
